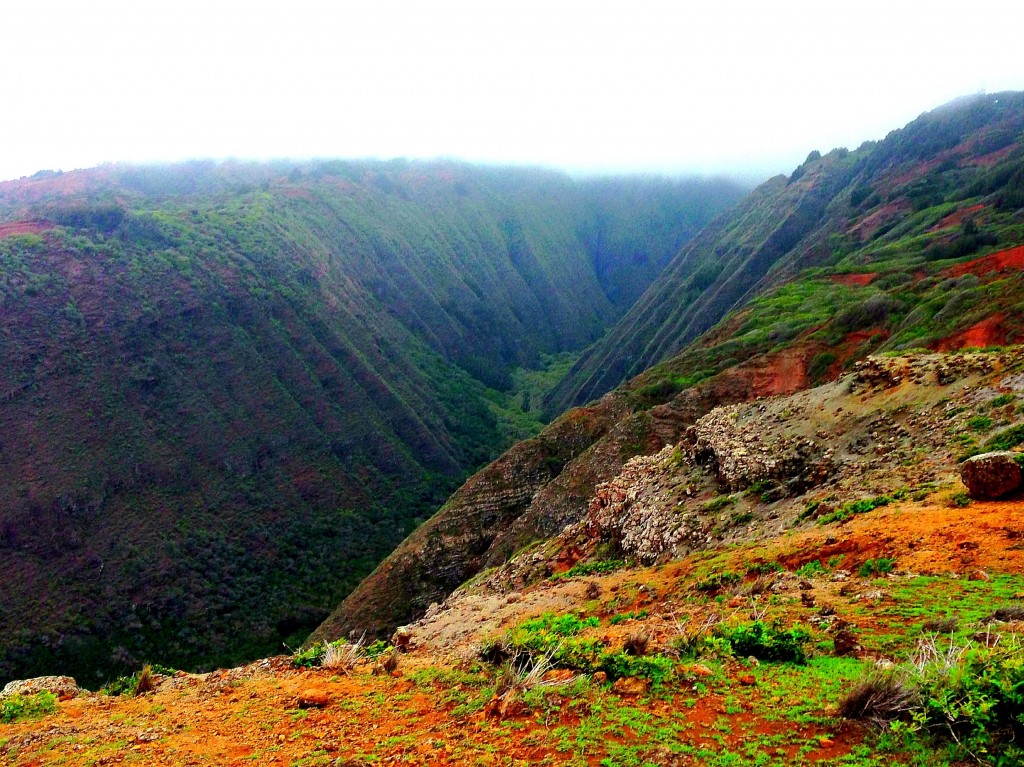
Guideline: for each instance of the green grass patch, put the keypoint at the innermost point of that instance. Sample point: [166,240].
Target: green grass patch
[17,707]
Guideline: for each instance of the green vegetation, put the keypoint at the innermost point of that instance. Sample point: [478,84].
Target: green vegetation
[966,696]
[16,707]
[592,568]
[847,510]
[1007,439]
[768,642]
[880,566]
[136,683]
[870,275]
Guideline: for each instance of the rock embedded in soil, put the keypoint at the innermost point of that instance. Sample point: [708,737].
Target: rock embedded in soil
[991,475]
[313,697]
[630,685]
[64,687]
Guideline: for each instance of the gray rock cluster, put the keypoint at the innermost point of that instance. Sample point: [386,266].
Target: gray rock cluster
[64,687]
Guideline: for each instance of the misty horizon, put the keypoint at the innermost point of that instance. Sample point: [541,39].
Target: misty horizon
[742,90]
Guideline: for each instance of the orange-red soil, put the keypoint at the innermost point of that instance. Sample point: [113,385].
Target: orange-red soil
[854,280]
[1003,260]
[989,332]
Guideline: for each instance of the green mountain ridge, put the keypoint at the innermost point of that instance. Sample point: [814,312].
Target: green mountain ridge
[230,390]
[844,211]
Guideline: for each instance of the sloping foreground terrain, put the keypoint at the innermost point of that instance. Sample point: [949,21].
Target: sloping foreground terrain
[228,390]
[949,184]
[718,605]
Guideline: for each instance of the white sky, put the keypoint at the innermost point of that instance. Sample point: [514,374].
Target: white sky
[716,86]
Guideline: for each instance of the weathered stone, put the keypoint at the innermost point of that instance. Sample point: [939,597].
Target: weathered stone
[64,687]
[991,475]
[313,697]
[630,685]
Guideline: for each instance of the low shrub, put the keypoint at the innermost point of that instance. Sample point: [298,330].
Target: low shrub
[138,683]
[879,566]
[1007,439]
[623,617]
[864,505]
[880,698]
[971,696]
[590,568]
[718,581]
[768,642]
[960,500]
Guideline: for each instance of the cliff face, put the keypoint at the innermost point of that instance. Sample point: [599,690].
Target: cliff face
[459,540]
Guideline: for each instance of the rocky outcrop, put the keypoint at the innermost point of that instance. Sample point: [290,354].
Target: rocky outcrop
[742,454]
[991,475]
[64,687]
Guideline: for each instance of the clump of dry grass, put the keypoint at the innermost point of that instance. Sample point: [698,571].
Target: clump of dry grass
[341,656]
[690,633]
[941,625]
[880,698]
[146,682]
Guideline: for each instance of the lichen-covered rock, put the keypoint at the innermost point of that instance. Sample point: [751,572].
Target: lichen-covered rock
[64,687]
[742,452]
[991,475]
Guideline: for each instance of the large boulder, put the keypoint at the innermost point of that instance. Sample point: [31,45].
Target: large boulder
[991,475]
[64,687]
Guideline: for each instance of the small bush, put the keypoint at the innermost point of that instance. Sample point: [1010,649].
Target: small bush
[717,504]
[879,566]
[1007,439]
[15,707]
[820,364]
[590,568]
[970,696]
[979,423]
[623,617]
[864,505]
[718,581]
[960,499]
[766,642]
[765,568]
[941,625]
[1001,400]
[1007,614]
[812,569]
[137,683]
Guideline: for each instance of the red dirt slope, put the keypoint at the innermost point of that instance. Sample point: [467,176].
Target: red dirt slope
[1003,260]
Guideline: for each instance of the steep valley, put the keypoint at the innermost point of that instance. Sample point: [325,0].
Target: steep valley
[229,390]
[775,517]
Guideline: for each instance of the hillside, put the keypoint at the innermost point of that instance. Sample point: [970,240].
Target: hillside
[229,390]
[722,602]
[928,256]
[947,185]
